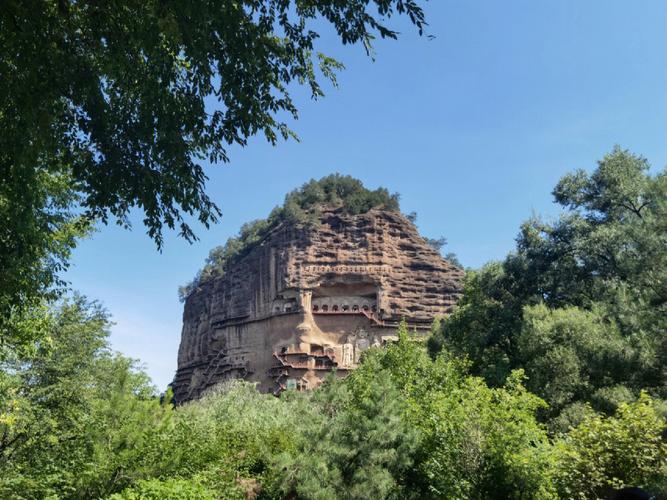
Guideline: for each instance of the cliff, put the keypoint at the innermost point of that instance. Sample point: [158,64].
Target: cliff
[308,299]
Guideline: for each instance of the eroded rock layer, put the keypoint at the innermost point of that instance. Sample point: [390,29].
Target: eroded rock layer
[308,299]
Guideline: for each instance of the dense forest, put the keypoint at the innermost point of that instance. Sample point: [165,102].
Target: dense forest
[548,381]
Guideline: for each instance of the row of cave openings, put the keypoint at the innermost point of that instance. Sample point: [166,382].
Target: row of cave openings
[334,308]
[350,298]
[355,308]
[344,308]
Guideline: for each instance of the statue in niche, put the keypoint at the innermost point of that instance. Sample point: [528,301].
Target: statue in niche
[348,354]
[361,344]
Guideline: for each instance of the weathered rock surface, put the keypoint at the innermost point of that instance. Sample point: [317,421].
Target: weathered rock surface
[309,299]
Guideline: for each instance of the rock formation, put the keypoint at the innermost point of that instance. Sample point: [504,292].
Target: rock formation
[308,299]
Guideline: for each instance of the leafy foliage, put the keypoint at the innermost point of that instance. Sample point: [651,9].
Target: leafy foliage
[75,419]
[453,259]
[116,97]
[168,489]
[437,243]
[576,315]
[108,108]
[573,355]
[300,206]
[475,442]
[606,453]
[362,449]
[581,305]
[78,421]
[38,230]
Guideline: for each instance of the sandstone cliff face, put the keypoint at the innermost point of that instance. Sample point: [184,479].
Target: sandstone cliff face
[310,299]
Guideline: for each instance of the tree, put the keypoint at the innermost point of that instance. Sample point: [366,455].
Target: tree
[602,454]
[453,259]
[37,234]
[229,441]
[112,103]
[474,441]
[75,419]
[573,355]
[486,323]
[436,243]
[79,421]
[168,489]
[362,450]
[591,286]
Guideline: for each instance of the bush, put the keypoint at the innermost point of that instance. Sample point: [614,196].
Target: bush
[170,489]
[574,355]
[604,453]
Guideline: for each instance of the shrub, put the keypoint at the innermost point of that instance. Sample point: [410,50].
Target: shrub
[603,453]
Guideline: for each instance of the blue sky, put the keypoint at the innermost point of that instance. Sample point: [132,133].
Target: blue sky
[473,128]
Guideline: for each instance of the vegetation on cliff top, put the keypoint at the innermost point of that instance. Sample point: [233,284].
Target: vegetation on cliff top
[302,206]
